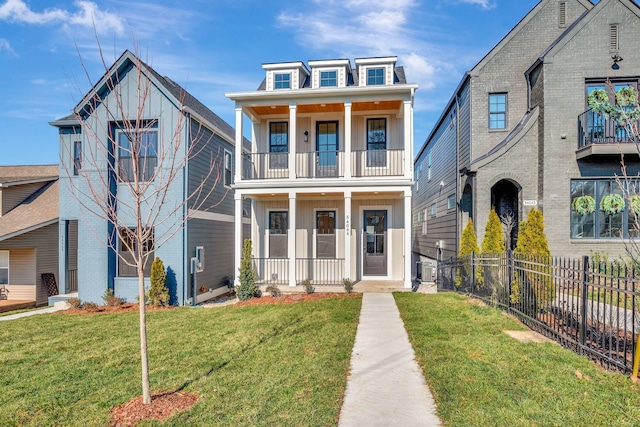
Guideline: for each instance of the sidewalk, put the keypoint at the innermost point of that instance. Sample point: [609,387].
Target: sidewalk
[33,312]
[386,386]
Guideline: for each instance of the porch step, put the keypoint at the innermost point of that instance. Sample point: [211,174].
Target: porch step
[61,300]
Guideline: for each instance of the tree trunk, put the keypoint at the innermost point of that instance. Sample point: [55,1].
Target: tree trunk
[146,393]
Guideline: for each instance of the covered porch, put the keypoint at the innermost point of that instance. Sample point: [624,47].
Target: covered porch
[327,235]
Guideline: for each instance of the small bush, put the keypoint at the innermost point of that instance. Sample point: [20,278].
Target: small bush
[348,285]
[247,288]
[112,300]
[158,293]
[308,287]
[274,290]
[90,306]
[74,302]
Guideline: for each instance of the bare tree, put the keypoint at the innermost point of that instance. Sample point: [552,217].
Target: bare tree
[509,222]
[129,166]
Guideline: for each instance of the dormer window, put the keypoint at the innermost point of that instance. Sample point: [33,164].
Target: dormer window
[282,81]
[375,76]
[329,78]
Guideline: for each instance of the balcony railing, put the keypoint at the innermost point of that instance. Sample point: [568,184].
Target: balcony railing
[265,166]
[272,270]
[596,128]
[365,163]
[320,164]
[72,281]
[321,271]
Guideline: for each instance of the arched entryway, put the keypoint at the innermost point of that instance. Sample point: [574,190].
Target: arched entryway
[504,199]
[466,203]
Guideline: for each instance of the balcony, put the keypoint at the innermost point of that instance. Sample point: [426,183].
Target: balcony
[324,164]
[599,135]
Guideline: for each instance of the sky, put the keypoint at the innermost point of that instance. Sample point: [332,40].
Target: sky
[50,50]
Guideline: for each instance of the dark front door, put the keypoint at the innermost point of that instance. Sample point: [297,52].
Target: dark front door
[374,259]
[327,149]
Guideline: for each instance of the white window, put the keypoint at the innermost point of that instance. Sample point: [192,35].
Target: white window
[77,157]
[424,222]
[140,145]
[328,78]
[451,201]
[278,240]
[326,234]
[4,267]
[282,81]
[375,76]
[429,166]
[228,168]
[433,210]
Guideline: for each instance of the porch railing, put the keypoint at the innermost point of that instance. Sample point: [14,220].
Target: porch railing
[321,271]
[265,166]
[72,281]
[320,164]
[272,270]
[596,128]
[366,163]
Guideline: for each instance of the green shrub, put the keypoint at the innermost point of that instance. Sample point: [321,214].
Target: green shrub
[247,277]
[74,302]
[90,306]
[308,287]
[492,243]
[468,246]
[532,245]
[274,290]
[110,299]
[158,293]
[348,285]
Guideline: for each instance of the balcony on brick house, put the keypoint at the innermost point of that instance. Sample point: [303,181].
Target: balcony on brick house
[600,135]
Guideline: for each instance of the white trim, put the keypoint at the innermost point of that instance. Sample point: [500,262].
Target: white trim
[315,231]
[389,209]
[7,267]
[224,168]
[28,181]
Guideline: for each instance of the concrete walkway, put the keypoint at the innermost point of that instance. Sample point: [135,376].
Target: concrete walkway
[386,386]
[56,307]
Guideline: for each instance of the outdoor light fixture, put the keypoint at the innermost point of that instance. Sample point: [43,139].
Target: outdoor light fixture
[616,58]
[306,136]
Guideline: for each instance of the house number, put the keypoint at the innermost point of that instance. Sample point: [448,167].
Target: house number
[347,225]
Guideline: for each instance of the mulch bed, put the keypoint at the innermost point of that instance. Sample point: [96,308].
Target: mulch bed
[103,309]
[293,298]
[162,406]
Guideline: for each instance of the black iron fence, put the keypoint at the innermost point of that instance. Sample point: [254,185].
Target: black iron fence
[597,128]
[588,306]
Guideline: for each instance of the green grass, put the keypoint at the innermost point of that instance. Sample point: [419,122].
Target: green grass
[260,365]
[24,310]
[479,376]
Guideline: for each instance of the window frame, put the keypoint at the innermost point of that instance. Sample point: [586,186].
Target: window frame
[451,201]
[324,81]
[145,171]
[278,159]
[502,113]
[7,267]
[148,247]
[228,168]
[433,210]
[77,157]
[318,234]
[283,83]
[285,233]
[376,160]
[375,78]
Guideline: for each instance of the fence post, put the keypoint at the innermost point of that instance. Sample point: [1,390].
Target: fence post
[509,277]
[473,272]
[583,307]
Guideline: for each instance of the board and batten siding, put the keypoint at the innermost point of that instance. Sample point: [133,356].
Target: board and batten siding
[32,254]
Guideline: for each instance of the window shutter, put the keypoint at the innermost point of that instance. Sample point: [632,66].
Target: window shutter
[613,38]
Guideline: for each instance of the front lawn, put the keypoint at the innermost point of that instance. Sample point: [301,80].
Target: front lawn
[258,365]
[480,376]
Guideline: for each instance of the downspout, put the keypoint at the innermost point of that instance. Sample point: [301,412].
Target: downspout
[185,207]
[459,212]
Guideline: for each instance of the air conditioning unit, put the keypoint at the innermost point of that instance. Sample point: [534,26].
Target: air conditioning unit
[428,272]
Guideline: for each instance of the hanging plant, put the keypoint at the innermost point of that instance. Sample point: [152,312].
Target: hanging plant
[612,204]
[626,96]
[584,205]
[597,97]
[634,204]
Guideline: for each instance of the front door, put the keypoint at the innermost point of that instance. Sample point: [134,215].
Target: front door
[374,259]
[327,149]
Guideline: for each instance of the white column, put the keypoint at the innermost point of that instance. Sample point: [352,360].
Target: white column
[291,233]
[238,236]
[63,258]
[238,174]
[407,238]
[347,140]
[347,235]
[292,141]
[408,140]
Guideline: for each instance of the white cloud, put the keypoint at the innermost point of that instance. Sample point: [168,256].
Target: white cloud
[485,4]
[4,45]
[88,15]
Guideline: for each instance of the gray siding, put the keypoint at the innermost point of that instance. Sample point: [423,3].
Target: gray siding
[217,239]
[45,242]
[208,149]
